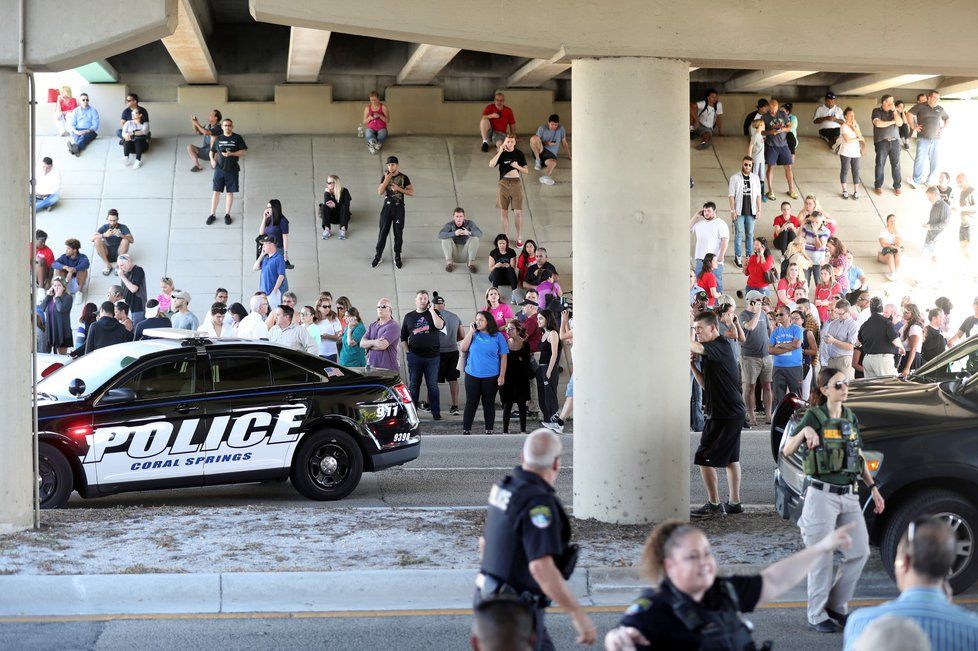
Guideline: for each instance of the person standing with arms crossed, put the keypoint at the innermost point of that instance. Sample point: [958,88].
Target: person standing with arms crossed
[511,162]
[832,497]
[394,186]
[226,150]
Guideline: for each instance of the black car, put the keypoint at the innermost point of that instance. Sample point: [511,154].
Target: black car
[183,411]
[921,444]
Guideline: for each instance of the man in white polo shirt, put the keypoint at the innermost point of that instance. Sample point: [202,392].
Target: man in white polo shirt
[828,118]
[712,236]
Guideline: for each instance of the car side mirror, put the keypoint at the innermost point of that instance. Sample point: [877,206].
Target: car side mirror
[76,387]
[118,395]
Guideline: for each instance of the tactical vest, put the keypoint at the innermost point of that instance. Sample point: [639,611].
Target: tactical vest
[502,557]
[720,628]
[838,448]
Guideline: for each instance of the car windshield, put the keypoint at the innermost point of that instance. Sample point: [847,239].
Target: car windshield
[958,360]
[94,369]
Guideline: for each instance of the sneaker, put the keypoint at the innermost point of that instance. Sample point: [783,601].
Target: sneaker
[906,146]
[327,234]
[436,417]
[227,219]
[376,261]
[485,148]
[546,180]
[771,196]
[912,184]
[453,411]
[211,219]
[827,626]
[126,160]
[289,265]
[449,267]
[738,262]
[702,146]
[557,425]
[488,432]
[845,194]
[397,261]
[519,244]
[732,509]
[536,164]
[423,406]
[763,198]
[342,233]
[793,194]
[855,194]
[137,164]
[707,510]
[837,616]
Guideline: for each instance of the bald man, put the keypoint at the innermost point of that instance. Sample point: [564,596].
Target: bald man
[534,564]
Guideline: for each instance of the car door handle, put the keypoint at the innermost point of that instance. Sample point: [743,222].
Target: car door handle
[186,409]
[294,398]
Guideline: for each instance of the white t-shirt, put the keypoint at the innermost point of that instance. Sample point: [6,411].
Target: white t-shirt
[888,237]
[707,115]
[915,330]
[708,233]
[851,148]
[824,111]
[327,347]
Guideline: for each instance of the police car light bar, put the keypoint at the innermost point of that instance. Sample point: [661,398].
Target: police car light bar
[176,334]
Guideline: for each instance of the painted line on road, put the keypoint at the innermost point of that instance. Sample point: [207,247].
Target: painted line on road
[357,614]
[466,468]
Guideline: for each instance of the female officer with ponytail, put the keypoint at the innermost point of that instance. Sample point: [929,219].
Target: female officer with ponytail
[692,608]
[833,461]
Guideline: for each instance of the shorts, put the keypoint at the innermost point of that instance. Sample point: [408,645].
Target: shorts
[112,252]
[546,155]
[964,231]
[203,151]
[886,250]
[719,442]
[510,194]
[700,130]
[497,135]
[224,181]
[448,367]
[778,155]
[756,369]
[569,393]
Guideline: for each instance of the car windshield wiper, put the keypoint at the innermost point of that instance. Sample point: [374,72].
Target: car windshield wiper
[46,396]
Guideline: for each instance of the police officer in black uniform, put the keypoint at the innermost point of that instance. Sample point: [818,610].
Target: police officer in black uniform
[691,608]
[525,547]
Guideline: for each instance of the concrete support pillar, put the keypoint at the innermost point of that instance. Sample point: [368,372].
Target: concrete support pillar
[16,464]
[631,266]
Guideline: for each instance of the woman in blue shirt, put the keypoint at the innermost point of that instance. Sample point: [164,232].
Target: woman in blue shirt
[485,369]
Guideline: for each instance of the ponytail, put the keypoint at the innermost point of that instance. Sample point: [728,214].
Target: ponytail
[660,543]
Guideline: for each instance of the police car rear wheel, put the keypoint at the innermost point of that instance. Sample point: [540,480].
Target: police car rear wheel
[55,478]
[328,466]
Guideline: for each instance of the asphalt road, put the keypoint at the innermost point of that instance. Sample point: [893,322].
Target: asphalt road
[453,471]
[344,631]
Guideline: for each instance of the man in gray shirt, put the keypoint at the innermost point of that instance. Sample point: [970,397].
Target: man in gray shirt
[886,139]
[451,334]
[940,213]
[839,339]
[929,121]
[755,359]
[460,241]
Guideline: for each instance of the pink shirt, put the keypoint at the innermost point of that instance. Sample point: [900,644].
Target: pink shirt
[502,313]
[545,289]
[377,123]
[165,302]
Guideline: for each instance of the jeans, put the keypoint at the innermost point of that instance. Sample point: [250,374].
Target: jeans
[926,150]
[742,223]
[46,202]
[696,419]
[427,368]
[785,380]
[718,272]
[83,140]
[480,389]
[887,149]
[850,162]
[380,135]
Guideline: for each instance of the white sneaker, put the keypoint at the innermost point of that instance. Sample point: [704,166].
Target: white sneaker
[125,160]
[137,164]
[911,183]
[546,180]
[537,165]
[370,147]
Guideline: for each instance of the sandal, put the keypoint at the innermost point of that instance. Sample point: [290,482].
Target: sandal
[107,270]
[196,168]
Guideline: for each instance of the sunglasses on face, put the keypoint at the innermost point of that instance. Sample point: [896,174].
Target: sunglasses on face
[381,307]
[838,384]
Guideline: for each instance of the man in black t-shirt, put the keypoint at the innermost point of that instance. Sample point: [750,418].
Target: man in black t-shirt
[511,162]
[226,149]
[132,104]
[133,280]
[532,277]
[394,186]
[720,440]
[421,332]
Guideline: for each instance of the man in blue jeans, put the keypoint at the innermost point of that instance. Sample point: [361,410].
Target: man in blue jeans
[744,192]
[929,120]
[421,332]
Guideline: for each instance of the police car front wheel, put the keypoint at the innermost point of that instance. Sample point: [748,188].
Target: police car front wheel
[328,466]
[54,476]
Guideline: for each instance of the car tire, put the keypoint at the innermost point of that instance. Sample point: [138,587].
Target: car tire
[950,505]
[327,466]
[56,477]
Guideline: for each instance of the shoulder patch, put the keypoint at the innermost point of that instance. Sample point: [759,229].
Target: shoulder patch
[638,606]
[541,516]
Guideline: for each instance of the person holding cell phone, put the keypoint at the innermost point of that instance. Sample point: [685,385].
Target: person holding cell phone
[394,186]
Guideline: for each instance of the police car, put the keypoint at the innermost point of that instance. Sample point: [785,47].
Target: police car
[182,411]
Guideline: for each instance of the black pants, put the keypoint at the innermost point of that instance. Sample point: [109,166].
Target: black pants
[391,215]
[830,135]
[480,389]
[548,394]
[887,149]
[338,215]
[503,276]
[783,239]
[135,146]
[507,414]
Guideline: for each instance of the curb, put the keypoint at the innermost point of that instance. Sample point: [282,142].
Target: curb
[344,591]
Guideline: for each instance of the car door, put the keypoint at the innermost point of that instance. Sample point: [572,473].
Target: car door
[261,420]
[149,425]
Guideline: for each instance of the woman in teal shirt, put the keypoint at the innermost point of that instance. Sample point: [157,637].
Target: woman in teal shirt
[351,354]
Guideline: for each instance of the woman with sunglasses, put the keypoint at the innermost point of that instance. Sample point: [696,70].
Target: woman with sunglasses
[213,326]
[335,208]
[236,312]
[330,329]
[275,225]
[828,436]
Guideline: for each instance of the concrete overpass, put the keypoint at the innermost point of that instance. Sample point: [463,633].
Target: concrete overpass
[629,64]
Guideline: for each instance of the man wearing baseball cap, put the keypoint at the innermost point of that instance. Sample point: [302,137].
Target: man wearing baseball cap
[182,316]
[755,358]
[394,186]
[829,119]
[153,320]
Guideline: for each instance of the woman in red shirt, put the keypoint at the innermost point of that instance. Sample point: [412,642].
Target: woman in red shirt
[827,292]
[66,104]
[759,263]
[788,285]
[786,228]
[523,261]
[708,281]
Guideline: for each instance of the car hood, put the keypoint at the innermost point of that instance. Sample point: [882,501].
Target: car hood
[890,406]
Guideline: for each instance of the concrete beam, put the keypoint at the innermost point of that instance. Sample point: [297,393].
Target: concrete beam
[535,72]
[307,47]
[627,28]
[761,79]
[98,72]
[424,64]
[869,84]
[959,88]
[188,48]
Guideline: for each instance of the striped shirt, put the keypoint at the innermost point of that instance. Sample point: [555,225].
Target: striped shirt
[948,626]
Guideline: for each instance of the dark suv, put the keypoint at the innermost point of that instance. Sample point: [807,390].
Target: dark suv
[921,443]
